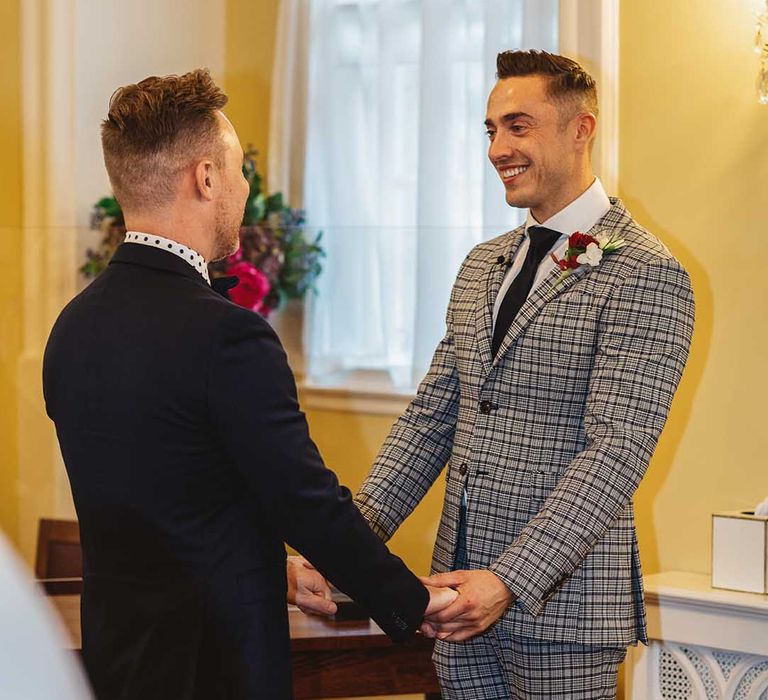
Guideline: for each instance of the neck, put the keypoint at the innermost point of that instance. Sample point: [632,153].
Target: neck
[176,228]
[574,189]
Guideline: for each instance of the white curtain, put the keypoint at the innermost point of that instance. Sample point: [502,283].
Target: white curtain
[288,102]
[396,173]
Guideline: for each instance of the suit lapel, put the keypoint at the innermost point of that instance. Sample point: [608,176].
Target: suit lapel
[548,290]
[488,285]
[615,219]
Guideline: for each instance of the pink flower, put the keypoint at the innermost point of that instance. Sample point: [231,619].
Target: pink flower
[252,288]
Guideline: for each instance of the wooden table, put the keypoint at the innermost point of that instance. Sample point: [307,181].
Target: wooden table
[331,659]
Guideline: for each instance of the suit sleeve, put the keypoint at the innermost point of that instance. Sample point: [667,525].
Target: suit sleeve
[254,408]
[643,344]
[417,447]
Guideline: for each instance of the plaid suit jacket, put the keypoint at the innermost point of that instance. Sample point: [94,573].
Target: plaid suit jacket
[551,438]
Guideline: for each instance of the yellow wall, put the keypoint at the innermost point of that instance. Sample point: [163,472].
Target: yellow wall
[694,169]
[251,28]
[10,259]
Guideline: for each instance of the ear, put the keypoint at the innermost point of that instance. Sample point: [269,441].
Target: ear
[586,126]
[205,175]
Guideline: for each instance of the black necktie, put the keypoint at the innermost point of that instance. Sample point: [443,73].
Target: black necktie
[541,240]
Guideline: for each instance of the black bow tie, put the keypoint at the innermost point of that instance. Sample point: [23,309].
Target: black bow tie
[222,285]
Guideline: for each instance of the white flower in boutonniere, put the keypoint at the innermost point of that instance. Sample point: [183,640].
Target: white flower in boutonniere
[584,249]
[591,256]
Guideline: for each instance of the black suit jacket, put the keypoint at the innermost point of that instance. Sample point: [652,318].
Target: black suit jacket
[190,464]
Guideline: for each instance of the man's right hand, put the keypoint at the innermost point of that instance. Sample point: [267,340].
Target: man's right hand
[308,589]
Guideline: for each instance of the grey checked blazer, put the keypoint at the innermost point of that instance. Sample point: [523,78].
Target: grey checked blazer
[551,439]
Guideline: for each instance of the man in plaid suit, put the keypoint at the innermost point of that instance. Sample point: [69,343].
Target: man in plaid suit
[545,399]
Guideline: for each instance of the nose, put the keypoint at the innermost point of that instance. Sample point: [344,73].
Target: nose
[500,149]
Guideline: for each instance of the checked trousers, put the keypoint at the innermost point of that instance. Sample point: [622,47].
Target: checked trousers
[496,666]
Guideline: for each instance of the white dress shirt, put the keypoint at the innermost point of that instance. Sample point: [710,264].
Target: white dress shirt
[191,257]
[580,215]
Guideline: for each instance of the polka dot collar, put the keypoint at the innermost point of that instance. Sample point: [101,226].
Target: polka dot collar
[191,257]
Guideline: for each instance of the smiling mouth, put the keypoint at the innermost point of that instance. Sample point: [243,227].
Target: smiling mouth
[509,173]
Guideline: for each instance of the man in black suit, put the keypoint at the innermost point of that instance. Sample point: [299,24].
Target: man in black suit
[189,459]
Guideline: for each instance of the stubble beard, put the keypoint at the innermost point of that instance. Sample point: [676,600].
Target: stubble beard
[539,196]
[520,200]
[227,239]
[525,196]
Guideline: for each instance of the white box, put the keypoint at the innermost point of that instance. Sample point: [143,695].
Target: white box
[740,551]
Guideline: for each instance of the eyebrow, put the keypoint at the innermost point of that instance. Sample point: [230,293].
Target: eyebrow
[510,117]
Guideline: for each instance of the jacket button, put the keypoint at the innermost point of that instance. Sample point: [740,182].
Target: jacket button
[463,469]
[486,407]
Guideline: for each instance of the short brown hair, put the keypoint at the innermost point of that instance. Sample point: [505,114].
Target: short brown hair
[568,82]
[156,128]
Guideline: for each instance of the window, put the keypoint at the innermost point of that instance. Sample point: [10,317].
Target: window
[396,170]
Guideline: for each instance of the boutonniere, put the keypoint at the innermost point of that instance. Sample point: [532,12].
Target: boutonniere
[584,249]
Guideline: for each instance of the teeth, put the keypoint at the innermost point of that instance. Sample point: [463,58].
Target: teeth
[511,172]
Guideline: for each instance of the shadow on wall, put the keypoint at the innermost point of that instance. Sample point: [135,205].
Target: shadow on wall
[677,423]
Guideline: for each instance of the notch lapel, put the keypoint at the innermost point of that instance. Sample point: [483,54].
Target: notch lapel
[615,220]
[488,285]
[535,303]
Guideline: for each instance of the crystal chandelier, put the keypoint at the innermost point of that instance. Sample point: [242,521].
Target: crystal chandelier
[761,47]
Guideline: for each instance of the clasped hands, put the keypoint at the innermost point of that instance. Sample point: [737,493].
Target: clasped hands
[462,604]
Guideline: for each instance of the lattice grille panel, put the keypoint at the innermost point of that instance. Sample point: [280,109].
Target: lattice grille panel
[684,672]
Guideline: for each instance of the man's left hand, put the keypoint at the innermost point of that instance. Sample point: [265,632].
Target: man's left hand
[482,600]
[308,589]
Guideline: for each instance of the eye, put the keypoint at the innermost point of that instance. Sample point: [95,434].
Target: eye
[517,128]
[490,134]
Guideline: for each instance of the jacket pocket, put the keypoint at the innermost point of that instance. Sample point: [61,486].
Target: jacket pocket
[540,486]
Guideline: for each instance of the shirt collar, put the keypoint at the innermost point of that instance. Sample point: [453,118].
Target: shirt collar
[187,254]
[580,215]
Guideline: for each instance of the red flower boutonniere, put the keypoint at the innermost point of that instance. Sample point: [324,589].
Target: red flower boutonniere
[584,249]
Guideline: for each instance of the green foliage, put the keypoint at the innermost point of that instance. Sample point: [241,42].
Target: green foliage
[301,264]
[110,207]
